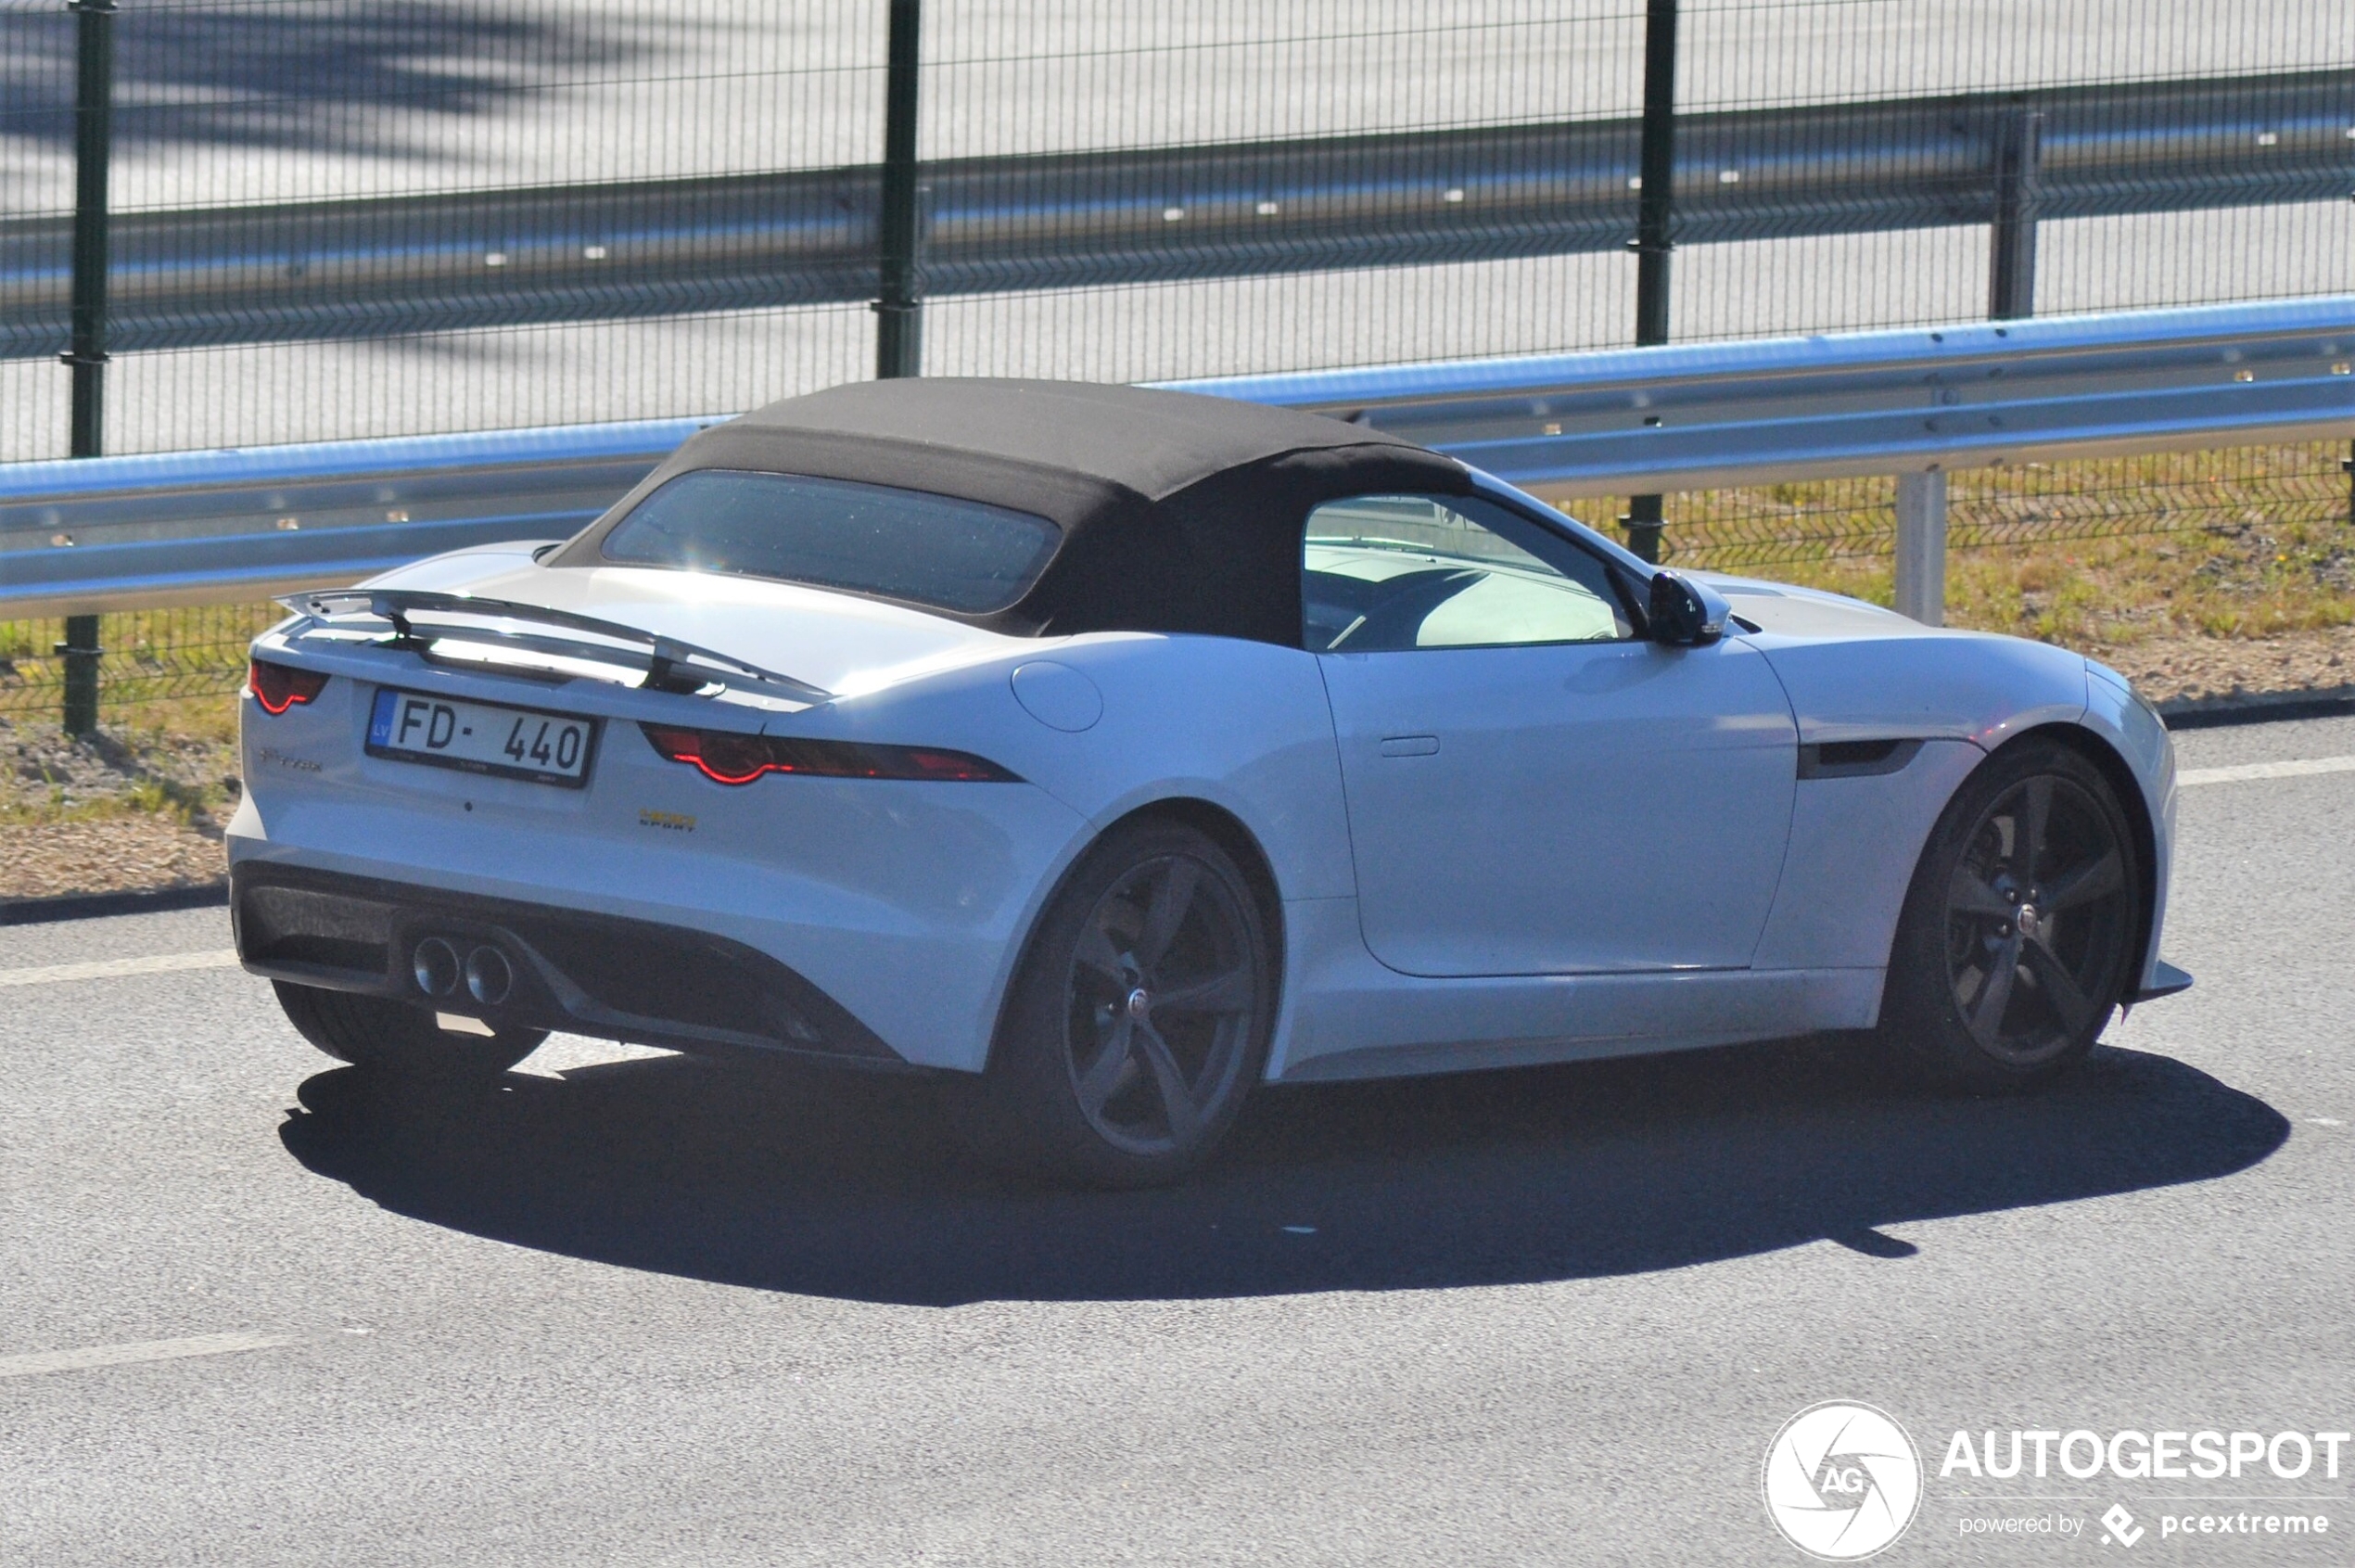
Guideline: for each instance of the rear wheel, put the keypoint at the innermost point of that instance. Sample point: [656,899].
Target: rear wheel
[1138,1021]
[2017,940]
[382,1035]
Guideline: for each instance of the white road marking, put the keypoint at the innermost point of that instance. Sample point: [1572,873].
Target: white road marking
[110,968]
[2304,768]
[132,1355]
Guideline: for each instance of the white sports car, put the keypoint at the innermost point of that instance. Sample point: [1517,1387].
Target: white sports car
[1103,752]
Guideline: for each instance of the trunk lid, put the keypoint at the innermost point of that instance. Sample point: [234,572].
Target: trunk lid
[839,641]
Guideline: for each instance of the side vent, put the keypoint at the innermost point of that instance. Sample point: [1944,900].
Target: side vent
[1855,759]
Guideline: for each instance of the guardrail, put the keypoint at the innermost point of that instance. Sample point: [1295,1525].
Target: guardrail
[1697,416]
[340,269]
[1916,403]
[81,536]
[112,534]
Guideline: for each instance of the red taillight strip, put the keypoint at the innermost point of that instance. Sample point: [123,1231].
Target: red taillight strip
[278,687]
[727,757]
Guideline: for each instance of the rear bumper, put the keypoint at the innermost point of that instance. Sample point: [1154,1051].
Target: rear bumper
[2165,980]
[598,975]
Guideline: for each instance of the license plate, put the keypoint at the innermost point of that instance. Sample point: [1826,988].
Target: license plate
[482,737]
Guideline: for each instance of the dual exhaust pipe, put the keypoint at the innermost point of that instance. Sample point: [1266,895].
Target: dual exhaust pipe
[485,972]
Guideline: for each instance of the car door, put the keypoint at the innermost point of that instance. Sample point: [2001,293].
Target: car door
[1531,789]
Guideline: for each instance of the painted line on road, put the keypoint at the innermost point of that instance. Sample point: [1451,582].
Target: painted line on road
[132,1355]
[2247,771]
[110,968]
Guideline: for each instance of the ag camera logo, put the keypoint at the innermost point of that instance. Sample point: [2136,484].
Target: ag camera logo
[1843,1480]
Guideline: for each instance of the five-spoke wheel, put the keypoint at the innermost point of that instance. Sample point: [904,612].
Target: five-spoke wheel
[2017,938]
[1139,1017]
[1164,992]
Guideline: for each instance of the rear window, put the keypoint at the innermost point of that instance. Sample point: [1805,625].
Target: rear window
[951,554]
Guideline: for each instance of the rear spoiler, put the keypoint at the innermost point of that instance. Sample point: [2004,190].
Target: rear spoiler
[668,664]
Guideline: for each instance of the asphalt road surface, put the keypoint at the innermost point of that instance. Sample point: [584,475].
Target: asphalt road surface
[635,1310]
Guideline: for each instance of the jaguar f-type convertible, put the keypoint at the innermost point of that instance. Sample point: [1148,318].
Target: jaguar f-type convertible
[1104,752]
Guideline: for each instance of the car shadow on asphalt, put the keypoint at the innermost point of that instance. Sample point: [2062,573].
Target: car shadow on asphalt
[847,1186]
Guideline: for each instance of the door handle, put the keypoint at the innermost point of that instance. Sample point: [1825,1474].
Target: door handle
[1411,746]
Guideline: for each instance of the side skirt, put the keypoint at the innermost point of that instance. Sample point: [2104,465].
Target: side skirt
[1349,1017]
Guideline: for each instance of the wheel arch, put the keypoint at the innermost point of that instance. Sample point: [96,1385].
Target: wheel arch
[1215,823]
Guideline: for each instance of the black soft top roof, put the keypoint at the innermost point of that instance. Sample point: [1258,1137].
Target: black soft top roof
[1179,513]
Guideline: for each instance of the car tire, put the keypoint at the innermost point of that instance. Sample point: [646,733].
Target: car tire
[384,1035]
[2016,942]
[1137,1023]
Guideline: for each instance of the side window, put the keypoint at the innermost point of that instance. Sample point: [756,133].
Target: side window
[1385,573]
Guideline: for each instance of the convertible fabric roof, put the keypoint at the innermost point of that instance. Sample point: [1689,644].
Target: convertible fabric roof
[1179,513]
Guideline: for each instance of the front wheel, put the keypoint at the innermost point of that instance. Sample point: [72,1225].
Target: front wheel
[1138,1021]
[2017,937]
[384,1035]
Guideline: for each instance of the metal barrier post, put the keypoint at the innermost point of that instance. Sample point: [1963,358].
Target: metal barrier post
[899,306]
[1921,547]
[2011,269]
[93,145]
[1654,209]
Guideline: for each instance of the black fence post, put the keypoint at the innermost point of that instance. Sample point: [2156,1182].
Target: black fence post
[92,146]
[899,323]
[2011,269]
[1655,209]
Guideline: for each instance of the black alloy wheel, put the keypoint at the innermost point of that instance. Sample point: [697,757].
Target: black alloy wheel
[1162,994]
[2017,939]
[1138,1021]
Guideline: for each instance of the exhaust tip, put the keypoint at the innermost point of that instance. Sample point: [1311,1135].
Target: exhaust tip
[488,976]
[435,964]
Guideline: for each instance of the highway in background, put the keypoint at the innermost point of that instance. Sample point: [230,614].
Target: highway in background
[225,106]
[631,1309]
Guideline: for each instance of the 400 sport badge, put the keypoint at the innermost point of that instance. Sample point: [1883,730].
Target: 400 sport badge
[1843,1480]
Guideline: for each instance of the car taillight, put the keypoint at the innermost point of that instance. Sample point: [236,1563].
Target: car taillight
[727,757]
[279,686]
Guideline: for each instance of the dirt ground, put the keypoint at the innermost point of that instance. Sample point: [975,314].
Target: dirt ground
[133,852]
[2191,668]
[135,811]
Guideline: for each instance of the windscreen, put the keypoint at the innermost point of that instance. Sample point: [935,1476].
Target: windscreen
[934,550]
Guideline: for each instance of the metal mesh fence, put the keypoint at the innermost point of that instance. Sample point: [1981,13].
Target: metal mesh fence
[347,217]
[2257,519]
[156,663]
[1777,529]
[2097,105]
[340,218]
[2251,541]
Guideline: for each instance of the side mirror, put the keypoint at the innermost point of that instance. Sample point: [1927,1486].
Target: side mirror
[1683,614]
